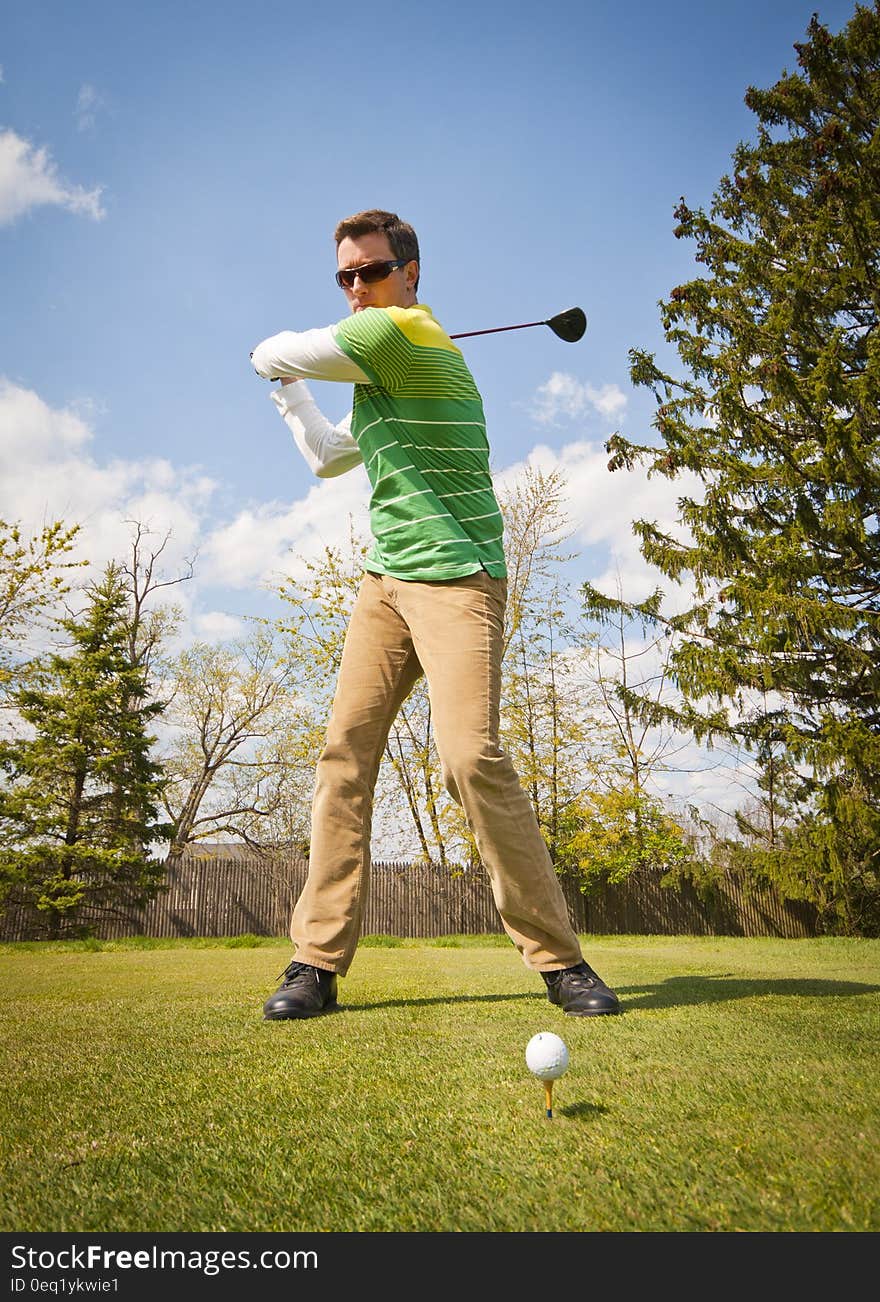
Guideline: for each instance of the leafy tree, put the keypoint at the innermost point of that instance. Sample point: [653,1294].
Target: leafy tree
[623,832]
[778,412]
[33,578]
[81,797]
[800,851]
[551,721]
[624,825]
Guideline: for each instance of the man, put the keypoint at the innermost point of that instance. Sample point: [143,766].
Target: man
[431,601]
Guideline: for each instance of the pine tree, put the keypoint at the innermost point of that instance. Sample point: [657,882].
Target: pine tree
[779,415]
[78,810]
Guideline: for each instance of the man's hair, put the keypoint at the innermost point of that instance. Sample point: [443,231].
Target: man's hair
[401,236]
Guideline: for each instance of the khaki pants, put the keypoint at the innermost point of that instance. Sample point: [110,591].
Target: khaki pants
[452,631]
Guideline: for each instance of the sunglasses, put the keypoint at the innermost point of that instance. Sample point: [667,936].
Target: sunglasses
[370,273]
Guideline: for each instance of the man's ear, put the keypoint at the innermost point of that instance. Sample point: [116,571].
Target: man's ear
[411,272]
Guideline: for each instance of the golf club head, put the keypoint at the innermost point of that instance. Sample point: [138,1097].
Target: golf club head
[569,325]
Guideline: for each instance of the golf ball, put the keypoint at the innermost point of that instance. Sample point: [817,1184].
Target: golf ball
[546,1056]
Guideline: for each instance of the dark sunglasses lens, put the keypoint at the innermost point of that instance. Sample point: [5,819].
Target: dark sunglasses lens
[375,271]
[369,274]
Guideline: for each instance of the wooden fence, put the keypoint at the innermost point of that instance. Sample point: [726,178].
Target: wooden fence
[229,894]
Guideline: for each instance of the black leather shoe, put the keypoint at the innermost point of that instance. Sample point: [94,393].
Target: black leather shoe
[580,992]
[305,991]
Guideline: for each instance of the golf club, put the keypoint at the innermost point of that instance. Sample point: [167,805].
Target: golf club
[569,325]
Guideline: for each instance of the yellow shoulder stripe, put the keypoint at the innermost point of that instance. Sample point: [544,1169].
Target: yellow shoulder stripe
[421,329]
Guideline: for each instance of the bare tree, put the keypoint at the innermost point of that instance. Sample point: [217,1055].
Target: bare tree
[627,823]
[626,662]
[550,713]
[148,629]
[229,768]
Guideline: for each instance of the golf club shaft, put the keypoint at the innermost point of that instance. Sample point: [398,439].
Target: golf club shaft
[469,334]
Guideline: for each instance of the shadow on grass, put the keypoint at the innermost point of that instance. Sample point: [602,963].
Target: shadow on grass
[582,1111]
[434,999]
[674,992]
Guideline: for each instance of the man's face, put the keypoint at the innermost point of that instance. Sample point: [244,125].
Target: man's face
[396,290]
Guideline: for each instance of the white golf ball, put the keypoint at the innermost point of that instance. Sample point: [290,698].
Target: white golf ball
[546,1056]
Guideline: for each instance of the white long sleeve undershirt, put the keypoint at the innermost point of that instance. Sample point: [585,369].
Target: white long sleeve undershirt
[328,449]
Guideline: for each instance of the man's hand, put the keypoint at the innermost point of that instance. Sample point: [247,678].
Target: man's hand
[290,379]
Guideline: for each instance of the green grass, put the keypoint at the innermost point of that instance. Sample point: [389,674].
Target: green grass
[141,1090]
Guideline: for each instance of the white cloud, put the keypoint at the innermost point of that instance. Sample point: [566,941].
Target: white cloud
[48,471]
[30,433]
[266,541]
[602,505]
[565,396]
[88,102]
[29,179]
[217,626]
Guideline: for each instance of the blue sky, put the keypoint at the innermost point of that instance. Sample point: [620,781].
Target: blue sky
[170,176]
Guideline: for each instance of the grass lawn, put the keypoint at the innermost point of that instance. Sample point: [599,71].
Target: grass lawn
[142,1091]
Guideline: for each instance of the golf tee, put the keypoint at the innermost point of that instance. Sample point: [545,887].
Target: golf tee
[548,1099]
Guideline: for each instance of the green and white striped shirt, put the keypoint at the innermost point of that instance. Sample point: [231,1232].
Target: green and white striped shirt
[419,427]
